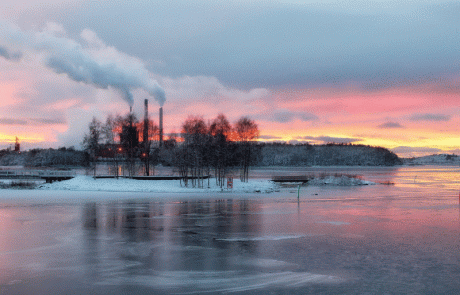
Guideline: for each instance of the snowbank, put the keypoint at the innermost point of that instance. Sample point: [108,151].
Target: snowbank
[88,183]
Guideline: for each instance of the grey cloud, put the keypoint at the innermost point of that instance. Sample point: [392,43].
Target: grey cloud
[308,117]
[284,116]
[408,150]
[430,117]
[4,53]
[47,121]
[296,45]
[9,121]
[390,125]
[249,45]
[16,56]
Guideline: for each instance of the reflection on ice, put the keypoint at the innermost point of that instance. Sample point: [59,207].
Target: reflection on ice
[208,246]
[263,238]
[261,262]
[225,281]
[90,215]
[397,239]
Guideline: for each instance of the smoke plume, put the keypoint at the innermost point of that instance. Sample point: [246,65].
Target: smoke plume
[90,61]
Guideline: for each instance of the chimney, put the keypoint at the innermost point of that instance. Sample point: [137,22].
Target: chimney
[161,126]
[145,135]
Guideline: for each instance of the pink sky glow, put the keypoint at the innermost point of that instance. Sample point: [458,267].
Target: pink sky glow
[313,73]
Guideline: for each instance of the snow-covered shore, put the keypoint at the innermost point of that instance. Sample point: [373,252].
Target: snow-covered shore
[87,183]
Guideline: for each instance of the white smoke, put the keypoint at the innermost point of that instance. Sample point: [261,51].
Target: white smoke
[91,61]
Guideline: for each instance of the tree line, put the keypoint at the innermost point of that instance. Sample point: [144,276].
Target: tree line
[331,154]
[203,148]
[215,146]
[61,158]
[262,155]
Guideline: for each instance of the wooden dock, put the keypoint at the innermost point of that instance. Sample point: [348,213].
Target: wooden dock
[292,178]
[48,175]
[52,175]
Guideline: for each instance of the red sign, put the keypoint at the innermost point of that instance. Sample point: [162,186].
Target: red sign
[229,182]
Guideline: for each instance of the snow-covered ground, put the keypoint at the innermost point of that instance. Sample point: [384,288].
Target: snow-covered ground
[88,183]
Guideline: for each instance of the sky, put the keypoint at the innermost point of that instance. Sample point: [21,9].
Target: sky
[380,73]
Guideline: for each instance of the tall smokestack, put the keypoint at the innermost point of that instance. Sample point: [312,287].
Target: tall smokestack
[161,126]
[145,135]
[130,116]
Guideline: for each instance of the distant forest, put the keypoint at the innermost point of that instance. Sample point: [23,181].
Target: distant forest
[264,154]
[61,157]
[279,154]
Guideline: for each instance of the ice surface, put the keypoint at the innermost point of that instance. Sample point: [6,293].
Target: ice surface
[226,281]
[371,239]
[262,238]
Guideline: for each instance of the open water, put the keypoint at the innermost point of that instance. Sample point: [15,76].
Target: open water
[398,238]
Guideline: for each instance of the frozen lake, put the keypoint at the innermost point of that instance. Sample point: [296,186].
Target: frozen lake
[378,239]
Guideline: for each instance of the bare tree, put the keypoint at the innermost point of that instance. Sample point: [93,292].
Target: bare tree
[195,132]
[129,140]
[91,141]
[108,130]
[148,155]
[246,131]
[109,135]
[220,130]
